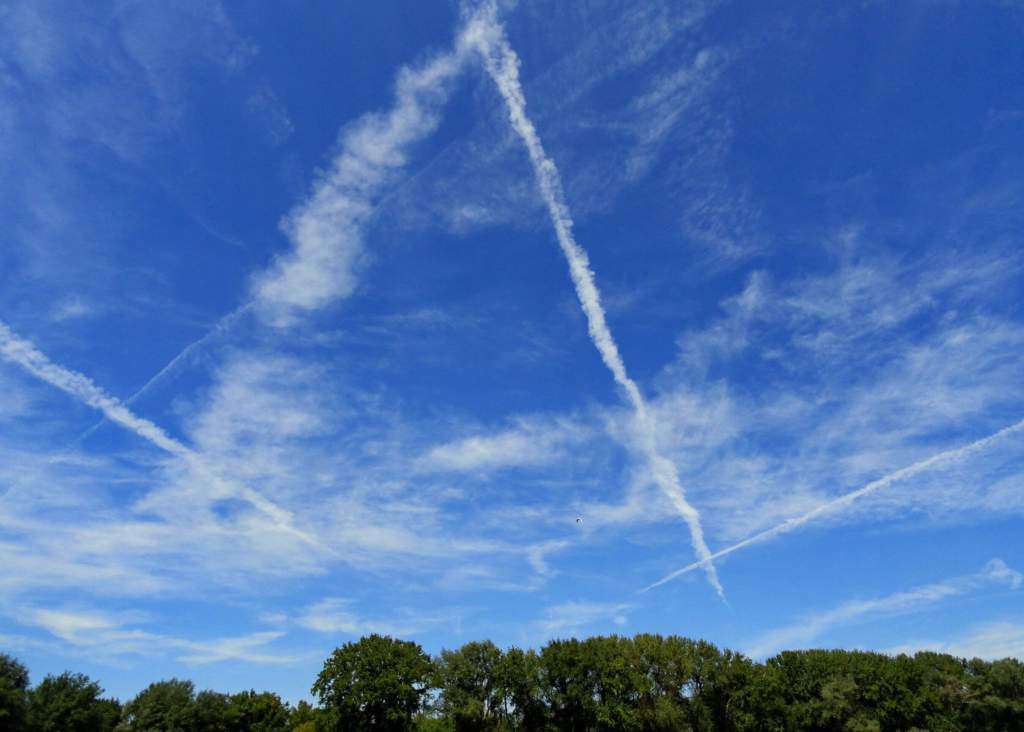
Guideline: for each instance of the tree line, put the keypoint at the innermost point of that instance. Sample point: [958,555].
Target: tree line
[645,683]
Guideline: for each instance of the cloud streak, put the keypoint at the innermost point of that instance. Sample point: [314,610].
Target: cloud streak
[111,636]
[990,641]
[326,232]
[995,572]
[19,351]
[848,499]
[502,64]
[574,617]
[175,364]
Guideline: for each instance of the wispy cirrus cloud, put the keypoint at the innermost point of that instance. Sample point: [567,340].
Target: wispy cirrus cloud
[844,501]
[24,354]
[531,442]
[326,231]
[430,441]
[336,615]
[994,574]
[113,636]
[991,641]
[582,617]
[478,182]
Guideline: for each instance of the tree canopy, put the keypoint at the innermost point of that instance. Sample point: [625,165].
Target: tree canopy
[71,702]
[647,683]
[376,683]
[13,692]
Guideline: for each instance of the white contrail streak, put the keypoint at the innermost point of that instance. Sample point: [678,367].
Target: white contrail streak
[502,64]
[23,353]
[221,327]
[326,231]
[847,499]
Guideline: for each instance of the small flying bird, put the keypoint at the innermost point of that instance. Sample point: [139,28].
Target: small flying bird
[579,519]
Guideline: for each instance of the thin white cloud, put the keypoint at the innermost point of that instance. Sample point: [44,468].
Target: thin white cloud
[245,648]
[183,357]
[476,181]
[844,501]
[799,414]
[23,353]
[110,636]
[990,641]
[576,617]
[502,64]
[334,615]
[507,449]
[811,627]
[326,232]
[72,307]
[73,627]
[531,442]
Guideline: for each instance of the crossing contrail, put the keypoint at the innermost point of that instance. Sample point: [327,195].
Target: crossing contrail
[847,499]
[23,353]
[502,64]
[221,327]
[327,230]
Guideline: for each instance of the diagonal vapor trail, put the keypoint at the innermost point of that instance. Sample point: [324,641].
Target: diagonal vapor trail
[222,326]
[326,230]
[847,499]
[23,353]
[502,64]
[175,364]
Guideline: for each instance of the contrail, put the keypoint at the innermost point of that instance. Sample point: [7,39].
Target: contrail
[845,500]
[221,327]
[23,353]
[502,64]
[326,230]
[172,366]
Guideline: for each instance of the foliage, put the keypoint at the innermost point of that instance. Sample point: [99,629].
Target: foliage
[13,693]
[303,717]
[648,683]
[167,706]
[252,711]
[377,683]
[171,705]
[470,691]
[518,677]
[71,703]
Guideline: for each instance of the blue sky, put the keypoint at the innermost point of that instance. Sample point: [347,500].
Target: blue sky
[291,349]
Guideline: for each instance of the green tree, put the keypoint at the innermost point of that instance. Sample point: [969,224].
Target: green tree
[470,693]
[13,693]
[719,678]
[376,683]
[994,697]
[164,706]
[70,703]
[669,666]
[252,711]
[303,717]
[518,677]
[618,682]
[110,713]
[211,712]
[568,685]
